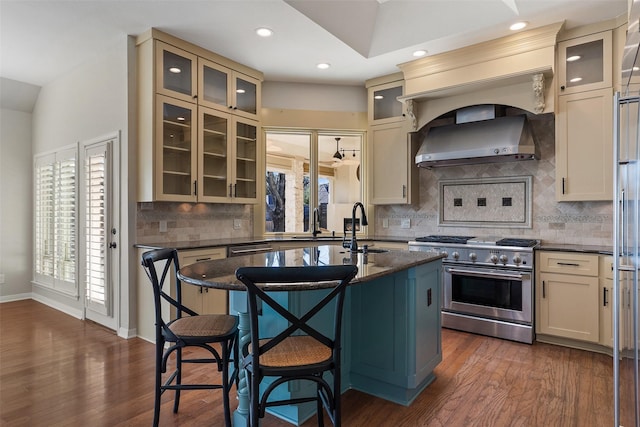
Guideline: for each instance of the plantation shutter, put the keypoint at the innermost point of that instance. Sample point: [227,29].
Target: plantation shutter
[97,228]
[55,224]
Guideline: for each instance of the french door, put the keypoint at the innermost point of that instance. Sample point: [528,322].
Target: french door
[100,230]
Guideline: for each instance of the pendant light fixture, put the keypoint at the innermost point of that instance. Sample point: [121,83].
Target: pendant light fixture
[337,155]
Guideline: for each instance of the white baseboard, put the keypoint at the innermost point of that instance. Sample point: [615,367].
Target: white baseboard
[15,297]
[78,314]
[127,333]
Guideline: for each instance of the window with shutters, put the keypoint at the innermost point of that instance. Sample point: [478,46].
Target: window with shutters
[55,225]
[96,227]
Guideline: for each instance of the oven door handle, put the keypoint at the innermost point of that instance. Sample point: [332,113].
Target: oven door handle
[487,275]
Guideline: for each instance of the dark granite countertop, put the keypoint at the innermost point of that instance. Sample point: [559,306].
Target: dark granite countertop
[212,243]
[565,247]
[221,273]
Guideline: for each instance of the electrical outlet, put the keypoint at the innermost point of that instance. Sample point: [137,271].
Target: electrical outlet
[385,223]
[163,226]
[406,223]
[237,224]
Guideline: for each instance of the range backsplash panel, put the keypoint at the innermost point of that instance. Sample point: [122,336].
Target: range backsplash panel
[584,223]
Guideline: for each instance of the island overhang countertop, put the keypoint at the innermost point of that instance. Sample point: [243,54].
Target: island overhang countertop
[373,265]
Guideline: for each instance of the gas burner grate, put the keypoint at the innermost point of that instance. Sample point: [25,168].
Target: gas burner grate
[444,239]
[523,243]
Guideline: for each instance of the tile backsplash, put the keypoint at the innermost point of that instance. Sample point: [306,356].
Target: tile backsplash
[192,221]
[586,223]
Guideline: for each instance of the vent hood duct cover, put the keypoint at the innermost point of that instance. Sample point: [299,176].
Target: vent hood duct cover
[502,139]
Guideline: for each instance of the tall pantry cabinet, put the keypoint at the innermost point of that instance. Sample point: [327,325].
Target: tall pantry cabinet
[198,124]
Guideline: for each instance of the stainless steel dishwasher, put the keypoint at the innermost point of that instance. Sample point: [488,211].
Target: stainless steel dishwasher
[248,249]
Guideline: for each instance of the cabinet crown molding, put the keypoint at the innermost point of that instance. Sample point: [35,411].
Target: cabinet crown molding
[515,44]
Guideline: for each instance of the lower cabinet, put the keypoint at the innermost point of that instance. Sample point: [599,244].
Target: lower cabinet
[574,293]
[395,333]
[198,298]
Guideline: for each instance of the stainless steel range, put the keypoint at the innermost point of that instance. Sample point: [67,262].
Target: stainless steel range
[488,284]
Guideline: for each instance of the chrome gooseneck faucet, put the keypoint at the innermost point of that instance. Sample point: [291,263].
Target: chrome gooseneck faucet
[316,222]
[354,243]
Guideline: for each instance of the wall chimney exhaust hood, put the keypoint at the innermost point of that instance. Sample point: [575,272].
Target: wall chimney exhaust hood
[477,137]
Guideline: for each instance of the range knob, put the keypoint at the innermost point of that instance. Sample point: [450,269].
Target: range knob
[494,258]
[517,260]
[445,253]
[456,255]
[473,257]
[503,259]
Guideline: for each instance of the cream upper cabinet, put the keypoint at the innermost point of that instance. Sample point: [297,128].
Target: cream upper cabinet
[567,295]
[176,151]
[176,72]
[227,90]
[227,169]
[584,146]
[585,63]
[393,173]
[383,104]
[584,119]
[197,124]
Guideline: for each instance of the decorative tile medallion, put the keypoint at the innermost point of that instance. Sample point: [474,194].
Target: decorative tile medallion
[486,202]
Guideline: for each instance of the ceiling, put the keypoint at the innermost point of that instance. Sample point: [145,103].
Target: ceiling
[361,39]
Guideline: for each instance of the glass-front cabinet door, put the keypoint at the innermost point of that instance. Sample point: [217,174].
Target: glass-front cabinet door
[226,90]
[214,85]
[214,164]
[175,153]
[246,149]
[247,96]
[176,72]
[384,106]
[227,160]
[585,63]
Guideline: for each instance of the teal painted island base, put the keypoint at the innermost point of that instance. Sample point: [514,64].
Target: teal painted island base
[391,337]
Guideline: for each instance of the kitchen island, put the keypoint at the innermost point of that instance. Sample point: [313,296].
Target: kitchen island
[391,335]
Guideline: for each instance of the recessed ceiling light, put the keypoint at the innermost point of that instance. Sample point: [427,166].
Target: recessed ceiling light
[180,119]
[175,70]
[420,52]
[575,79]
[518,26]
[240,91]
[323,65]
[573,58]
[378,97]
[264,32]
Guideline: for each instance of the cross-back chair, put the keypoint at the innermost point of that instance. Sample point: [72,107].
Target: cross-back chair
[187,329]
[300,351]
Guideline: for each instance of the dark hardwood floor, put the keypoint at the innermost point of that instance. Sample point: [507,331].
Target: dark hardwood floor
[59,371]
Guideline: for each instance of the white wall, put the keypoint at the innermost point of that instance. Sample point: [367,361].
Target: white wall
[16,162]
[302,96]
[89,102]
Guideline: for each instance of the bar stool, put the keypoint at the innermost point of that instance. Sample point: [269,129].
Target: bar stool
[188,329]
[299,351]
